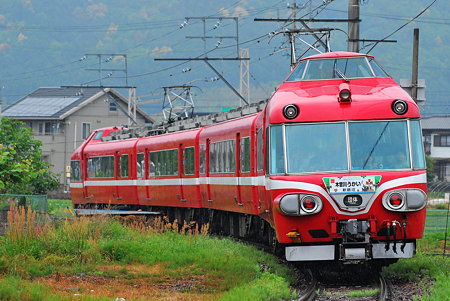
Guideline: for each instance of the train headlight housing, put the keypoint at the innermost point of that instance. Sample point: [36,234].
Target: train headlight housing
[404,200]
[290,111]
[399,107]
[296,204]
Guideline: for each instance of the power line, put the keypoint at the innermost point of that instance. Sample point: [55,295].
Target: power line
[401,27]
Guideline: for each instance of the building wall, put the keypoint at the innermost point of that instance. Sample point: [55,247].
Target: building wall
[59,145]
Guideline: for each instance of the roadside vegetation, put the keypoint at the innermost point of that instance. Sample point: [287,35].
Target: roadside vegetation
[104,258]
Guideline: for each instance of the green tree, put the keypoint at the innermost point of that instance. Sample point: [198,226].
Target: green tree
[21,167]
[431,173]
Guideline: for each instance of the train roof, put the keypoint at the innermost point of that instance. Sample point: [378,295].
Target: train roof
[336,54]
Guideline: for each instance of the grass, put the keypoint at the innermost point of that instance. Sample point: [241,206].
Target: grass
[104,248]
[425,268]
[59,207]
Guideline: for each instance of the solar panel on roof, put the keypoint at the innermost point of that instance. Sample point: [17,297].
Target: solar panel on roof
[39,106]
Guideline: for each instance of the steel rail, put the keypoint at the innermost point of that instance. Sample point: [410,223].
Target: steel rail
[385,289]
[309,293]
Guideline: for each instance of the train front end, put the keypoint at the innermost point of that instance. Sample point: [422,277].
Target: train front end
[345,163]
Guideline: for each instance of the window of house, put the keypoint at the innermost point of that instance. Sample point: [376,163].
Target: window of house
[188,160]
[86,130]
[164,163]
[222,157]
[245,154]
[75,171]
[123,166]
[441,140]
[140,165]
[112,106]
[50,128]
[101,167]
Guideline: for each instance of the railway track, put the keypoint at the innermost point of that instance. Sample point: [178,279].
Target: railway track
[344,289]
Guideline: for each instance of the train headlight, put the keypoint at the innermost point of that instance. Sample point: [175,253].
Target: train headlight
[344,93]
[399,107]
[395,200]
[296,204]
[404,200]
[290,111]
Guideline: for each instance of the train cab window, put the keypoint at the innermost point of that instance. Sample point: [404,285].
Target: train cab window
[379,145]
[222,157]
[140,165]
[260,159]
[416,144]
[75,171]
[188,160]
[164,163]
[276,150]
[100,167]
[346,67]
[315,147]
[98,135]
[202,159]
[123,166]
[245,154]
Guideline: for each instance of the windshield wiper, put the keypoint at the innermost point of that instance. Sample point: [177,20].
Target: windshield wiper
[375,145]
[339,72]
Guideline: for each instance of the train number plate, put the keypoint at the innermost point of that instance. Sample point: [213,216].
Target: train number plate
[353,184]
[353,200]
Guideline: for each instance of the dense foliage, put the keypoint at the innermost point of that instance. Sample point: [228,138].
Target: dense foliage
[22,170]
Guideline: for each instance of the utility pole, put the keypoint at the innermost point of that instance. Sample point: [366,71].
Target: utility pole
[244,87]
[353,25]
[415,65]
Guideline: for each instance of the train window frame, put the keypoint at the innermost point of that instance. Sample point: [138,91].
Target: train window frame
[189,160]
[222,156]
[123,166]
[140,165]
[95,174]
[75,171]
[163,163]
[245,154]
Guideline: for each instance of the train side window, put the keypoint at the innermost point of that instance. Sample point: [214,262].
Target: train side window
[101,167]
[123,166]
[259,138]
[245,154]
[164,163]
[75,171]
[188,160]
[140,165]
[202,159]
[222,157]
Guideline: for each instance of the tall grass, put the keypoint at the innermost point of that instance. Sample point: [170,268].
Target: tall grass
[33,248]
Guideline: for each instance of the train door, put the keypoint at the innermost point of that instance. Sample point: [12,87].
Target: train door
[124,189]
[259,164]
[140,179]
[203,173]
[244,176]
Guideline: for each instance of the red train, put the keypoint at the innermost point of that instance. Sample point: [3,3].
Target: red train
[331,167]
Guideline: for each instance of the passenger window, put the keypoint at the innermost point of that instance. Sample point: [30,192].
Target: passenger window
[75,171]
[260,150]
[202,158]
[101,167]
[123,166]
[222,157]
[164,163]
[140,165]
[245,154]
[188,158]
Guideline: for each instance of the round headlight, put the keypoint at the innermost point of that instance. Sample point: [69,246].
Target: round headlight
[399,107]
[290,111]
[344,95]
[395,200]
[309,203]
